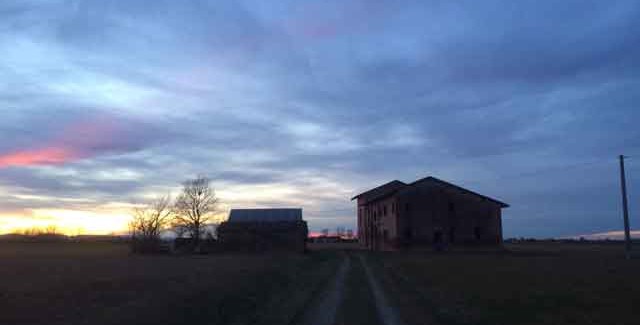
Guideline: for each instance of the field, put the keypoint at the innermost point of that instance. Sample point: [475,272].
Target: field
[546,283]
[101,283]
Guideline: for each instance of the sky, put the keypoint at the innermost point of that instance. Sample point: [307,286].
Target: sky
[107,104]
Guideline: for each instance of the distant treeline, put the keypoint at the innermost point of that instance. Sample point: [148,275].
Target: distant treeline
[32,236]
[52,234]
[581,240]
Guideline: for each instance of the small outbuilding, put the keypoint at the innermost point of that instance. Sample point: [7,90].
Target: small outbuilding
[264,230]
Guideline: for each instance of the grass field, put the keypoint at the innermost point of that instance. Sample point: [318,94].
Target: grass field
[526,284]
[101,283]
[66,283]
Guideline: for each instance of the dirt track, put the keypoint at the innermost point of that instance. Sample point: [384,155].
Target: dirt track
[324,307]
[386,312]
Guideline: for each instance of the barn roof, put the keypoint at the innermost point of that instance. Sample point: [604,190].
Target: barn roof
[381,191]
[458,188]
[392,187]
[265,215]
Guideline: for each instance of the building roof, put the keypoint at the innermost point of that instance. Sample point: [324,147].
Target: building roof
[381,191]
[265,215]
[392,187]
[458,188]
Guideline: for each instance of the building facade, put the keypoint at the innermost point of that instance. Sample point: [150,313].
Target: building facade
[427,212]
[264,230]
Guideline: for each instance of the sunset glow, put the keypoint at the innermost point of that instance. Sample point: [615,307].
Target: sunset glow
[47,156]
[67,222]
[104,105]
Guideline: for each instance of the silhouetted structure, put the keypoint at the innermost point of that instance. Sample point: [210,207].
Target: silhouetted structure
[428,211]
[264,229]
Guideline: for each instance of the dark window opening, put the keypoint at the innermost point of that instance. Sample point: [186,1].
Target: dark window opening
[477,232]
[437,237]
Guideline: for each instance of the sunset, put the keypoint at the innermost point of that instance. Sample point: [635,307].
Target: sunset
[99,110]
[378,162]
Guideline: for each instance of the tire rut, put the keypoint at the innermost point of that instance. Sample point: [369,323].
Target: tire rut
[324,308]
[386,313]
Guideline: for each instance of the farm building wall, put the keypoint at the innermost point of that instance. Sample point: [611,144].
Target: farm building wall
[263,236]
[378,223]
[430,213]
[427,213]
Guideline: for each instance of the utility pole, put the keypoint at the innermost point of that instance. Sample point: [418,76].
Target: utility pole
[625,209]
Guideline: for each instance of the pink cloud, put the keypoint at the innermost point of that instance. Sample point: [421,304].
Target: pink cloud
[81,139]
[44,156]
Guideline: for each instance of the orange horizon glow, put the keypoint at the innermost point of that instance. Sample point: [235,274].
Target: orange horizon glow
[67,222]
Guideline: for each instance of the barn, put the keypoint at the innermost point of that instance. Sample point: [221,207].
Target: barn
[264,230]
[427,212]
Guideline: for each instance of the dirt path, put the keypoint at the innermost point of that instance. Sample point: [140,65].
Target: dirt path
[386,313]
[335,304]
[324,308]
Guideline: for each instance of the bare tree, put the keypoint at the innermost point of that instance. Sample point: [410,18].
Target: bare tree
[179,229]
[195,207]
[147,224]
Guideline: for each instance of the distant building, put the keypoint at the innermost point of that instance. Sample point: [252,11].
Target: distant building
[264,229]
[428,211]
[325,239]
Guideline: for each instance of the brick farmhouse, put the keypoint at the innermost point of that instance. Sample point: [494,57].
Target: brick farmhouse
[427,212]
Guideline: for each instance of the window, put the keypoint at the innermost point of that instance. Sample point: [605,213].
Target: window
[477,232]
[437,237]
[384,210]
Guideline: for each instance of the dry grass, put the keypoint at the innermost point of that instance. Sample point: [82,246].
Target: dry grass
[100,283]
[526,284]
[333,246]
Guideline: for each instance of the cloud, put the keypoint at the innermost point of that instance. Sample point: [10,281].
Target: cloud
[85,137]
[45,156]
[613,235]
[306,104]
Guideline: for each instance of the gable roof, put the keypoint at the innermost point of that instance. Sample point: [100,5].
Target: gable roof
[381,191]
[265,215]
[458,188]
[395,186]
